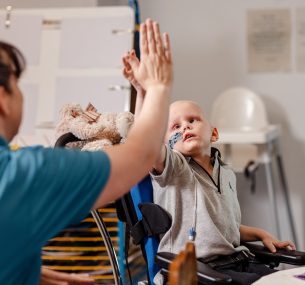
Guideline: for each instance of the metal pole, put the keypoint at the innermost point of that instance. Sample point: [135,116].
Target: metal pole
[109,247]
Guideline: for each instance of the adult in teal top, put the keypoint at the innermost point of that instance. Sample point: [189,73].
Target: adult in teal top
[44,190]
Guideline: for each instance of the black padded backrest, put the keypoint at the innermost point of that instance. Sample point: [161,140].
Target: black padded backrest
[65,139]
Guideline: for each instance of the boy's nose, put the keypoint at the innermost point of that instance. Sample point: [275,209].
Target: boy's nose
[186,127]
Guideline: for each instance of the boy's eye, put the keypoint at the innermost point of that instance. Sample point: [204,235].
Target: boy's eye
[192,121]
[175,127]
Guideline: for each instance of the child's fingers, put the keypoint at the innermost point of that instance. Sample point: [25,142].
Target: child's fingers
[133,56]
[133,62]
[128,75]
[125,73]
[270,246]
[286,244]
[125,61]
[292,245]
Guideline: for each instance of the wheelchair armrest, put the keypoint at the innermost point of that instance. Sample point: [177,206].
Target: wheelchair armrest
[293,257]
[205,273]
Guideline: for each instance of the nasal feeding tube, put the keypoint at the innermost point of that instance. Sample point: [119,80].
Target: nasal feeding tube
[192,231]
[174,139]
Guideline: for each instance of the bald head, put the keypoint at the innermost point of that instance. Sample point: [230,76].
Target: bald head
[177,106]
[185,102]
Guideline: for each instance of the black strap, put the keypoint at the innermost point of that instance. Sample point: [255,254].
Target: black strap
[215,153]
[155,221]
[250,174]
[217,185]
[126,250]
[138,232]
[235,258]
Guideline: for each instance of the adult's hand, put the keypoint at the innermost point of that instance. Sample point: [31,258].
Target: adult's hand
[51,277]
[155,66]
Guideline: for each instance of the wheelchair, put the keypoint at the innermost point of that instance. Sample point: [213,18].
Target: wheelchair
[147,221]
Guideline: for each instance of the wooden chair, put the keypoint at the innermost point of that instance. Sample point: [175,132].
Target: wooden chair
[183,269]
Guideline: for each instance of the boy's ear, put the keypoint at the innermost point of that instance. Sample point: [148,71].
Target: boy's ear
[4,102]
[215,135]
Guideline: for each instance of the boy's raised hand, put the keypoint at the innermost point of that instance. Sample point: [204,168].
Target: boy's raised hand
[155,66]
[128,72]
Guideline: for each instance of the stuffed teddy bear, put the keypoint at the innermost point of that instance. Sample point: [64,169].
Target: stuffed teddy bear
[95,130]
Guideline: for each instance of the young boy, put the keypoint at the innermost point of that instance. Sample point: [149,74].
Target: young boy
[199,191]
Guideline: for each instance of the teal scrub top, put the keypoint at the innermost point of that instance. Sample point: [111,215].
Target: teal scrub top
[42,190]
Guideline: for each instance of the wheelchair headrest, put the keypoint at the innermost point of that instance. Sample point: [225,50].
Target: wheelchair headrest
[66,138]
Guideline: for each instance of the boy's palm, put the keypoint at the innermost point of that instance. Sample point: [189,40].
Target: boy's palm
[128,72]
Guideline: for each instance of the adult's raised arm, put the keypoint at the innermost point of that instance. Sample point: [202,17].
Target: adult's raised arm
[131,161]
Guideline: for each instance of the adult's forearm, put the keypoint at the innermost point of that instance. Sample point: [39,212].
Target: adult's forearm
[139,103]
[131,161]
[150,125]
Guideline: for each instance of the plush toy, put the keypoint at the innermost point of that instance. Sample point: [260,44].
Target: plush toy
[96,131]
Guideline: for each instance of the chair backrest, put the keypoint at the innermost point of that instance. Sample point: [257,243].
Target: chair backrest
[141,193]
[183,269]
[130,210]
[239,109]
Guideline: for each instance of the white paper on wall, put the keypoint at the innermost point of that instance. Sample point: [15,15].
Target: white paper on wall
[269,40]
[300,39]
[25,32]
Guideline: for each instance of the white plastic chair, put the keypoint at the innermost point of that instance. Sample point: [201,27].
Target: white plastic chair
[239,109]
[241,118]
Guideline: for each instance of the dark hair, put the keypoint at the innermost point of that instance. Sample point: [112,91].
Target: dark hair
[12,62]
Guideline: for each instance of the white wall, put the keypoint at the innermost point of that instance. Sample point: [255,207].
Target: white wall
[64,3]
[209,49]
[50,3]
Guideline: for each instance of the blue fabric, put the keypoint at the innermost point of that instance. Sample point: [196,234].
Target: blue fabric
[174,139]
[143,192]
[42,190]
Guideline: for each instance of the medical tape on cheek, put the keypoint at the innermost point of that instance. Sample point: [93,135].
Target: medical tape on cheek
[174,139]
